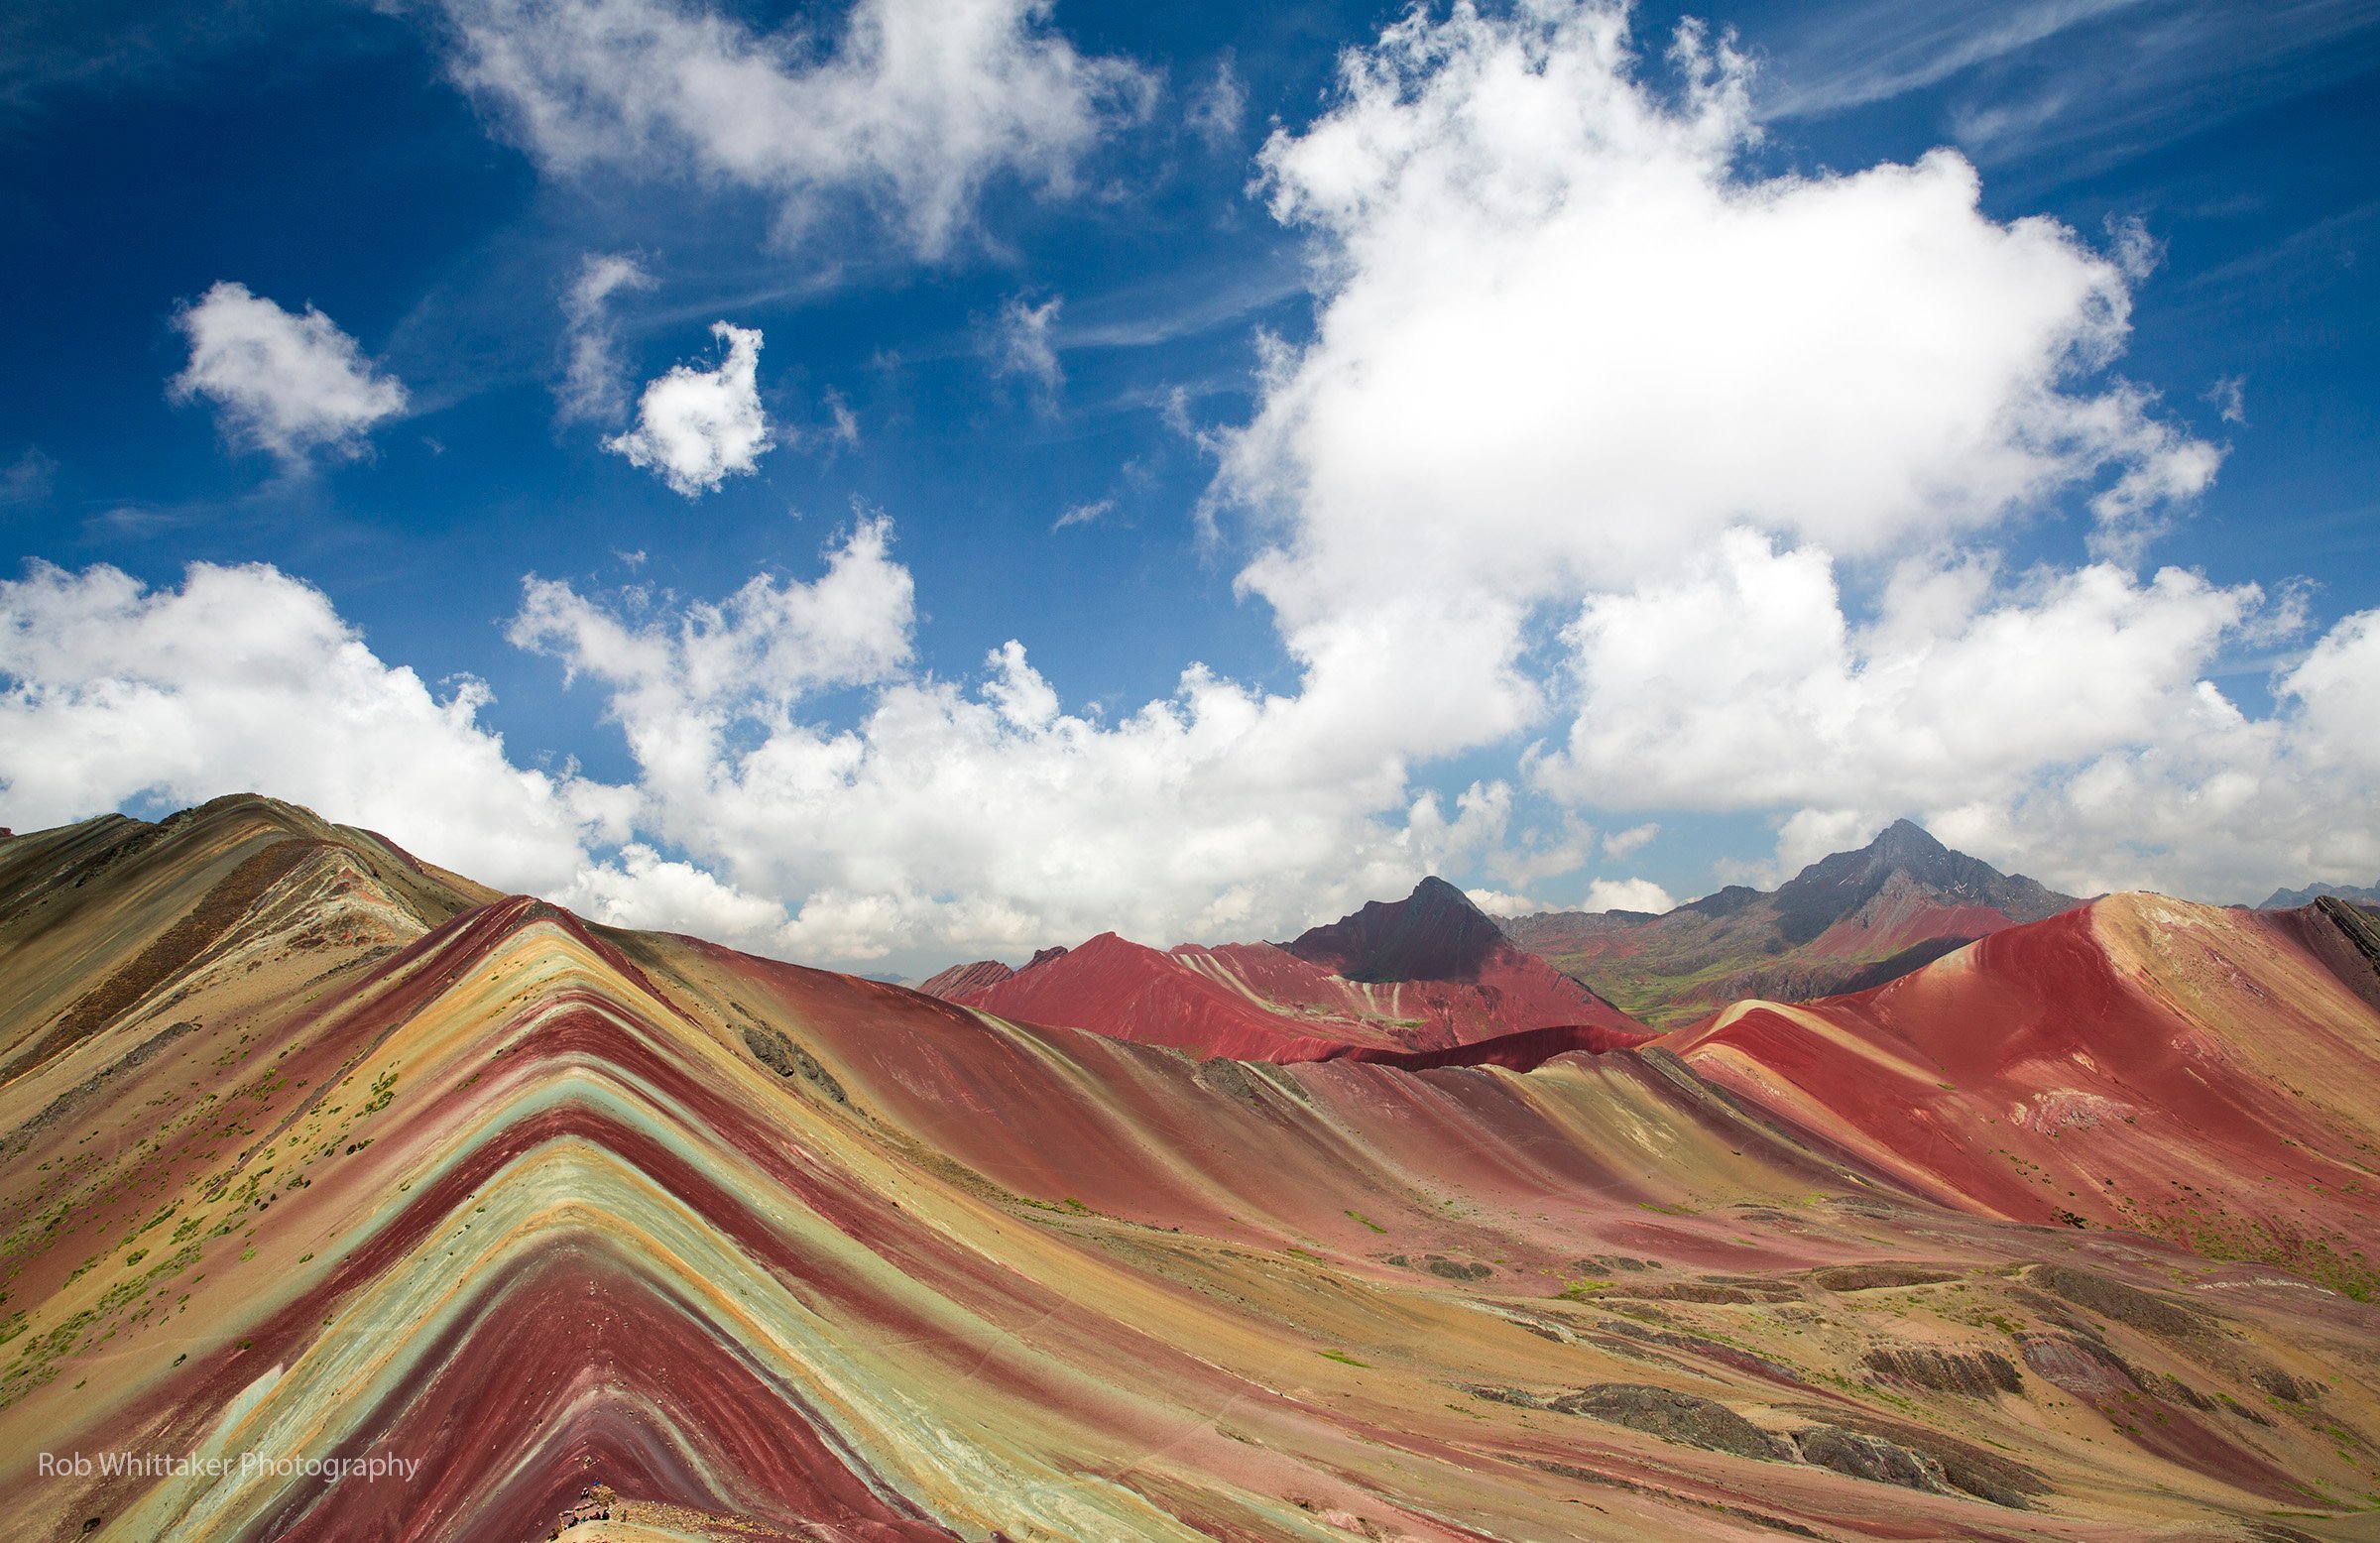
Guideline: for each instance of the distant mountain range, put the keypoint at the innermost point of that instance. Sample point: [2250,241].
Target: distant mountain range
[1422,976]
[1845,923]
[2352,893]
[1431,972]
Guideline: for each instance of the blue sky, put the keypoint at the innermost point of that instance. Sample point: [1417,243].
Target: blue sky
[1595,470]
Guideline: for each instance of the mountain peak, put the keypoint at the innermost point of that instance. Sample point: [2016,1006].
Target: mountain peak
[1838,885]
[1848,922]
[1906,842]
[1437,890]
[1433,934]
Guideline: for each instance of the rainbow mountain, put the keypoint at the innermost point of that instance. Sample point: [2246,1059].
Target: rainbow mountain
[317,1157]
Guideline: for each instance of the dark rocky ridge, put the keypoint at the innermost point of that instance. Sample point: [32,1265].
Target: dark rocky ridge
[1433,934]
[1835,887]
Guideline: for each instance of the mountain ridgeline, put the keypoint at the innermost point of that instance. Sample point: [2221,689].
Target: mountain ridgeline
[1425,976]
[2364,894]
[1432,971]
[1847,922]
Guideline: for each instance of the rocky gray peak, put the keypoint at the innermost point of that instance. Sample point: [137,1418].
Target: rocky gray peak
[1433,934]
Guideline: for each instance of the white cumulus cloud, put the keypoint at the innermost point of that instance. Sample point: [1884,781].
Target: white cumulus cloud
[1574,362]
[1743,685]
[244,680]
[695,429]
[281,382]
[1563,340]
[915,106]
[641,888]
[986,818]
[1555,303]
[2060,721]
[1627,894]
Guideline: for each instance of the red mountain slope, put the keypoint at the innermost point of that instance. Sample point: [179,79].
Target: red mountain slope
[2203,1074]
[960,979]
[1131,992]
[1423,975]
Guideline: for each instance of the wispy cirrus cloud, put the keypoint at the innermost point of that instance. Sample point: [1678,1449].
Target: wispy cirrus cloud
[1023,342]
[1149,314]
[592,385]
[1084,513]
[1217,108]
[2094,82]
[1848,57]
[53,46]
[27,479]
